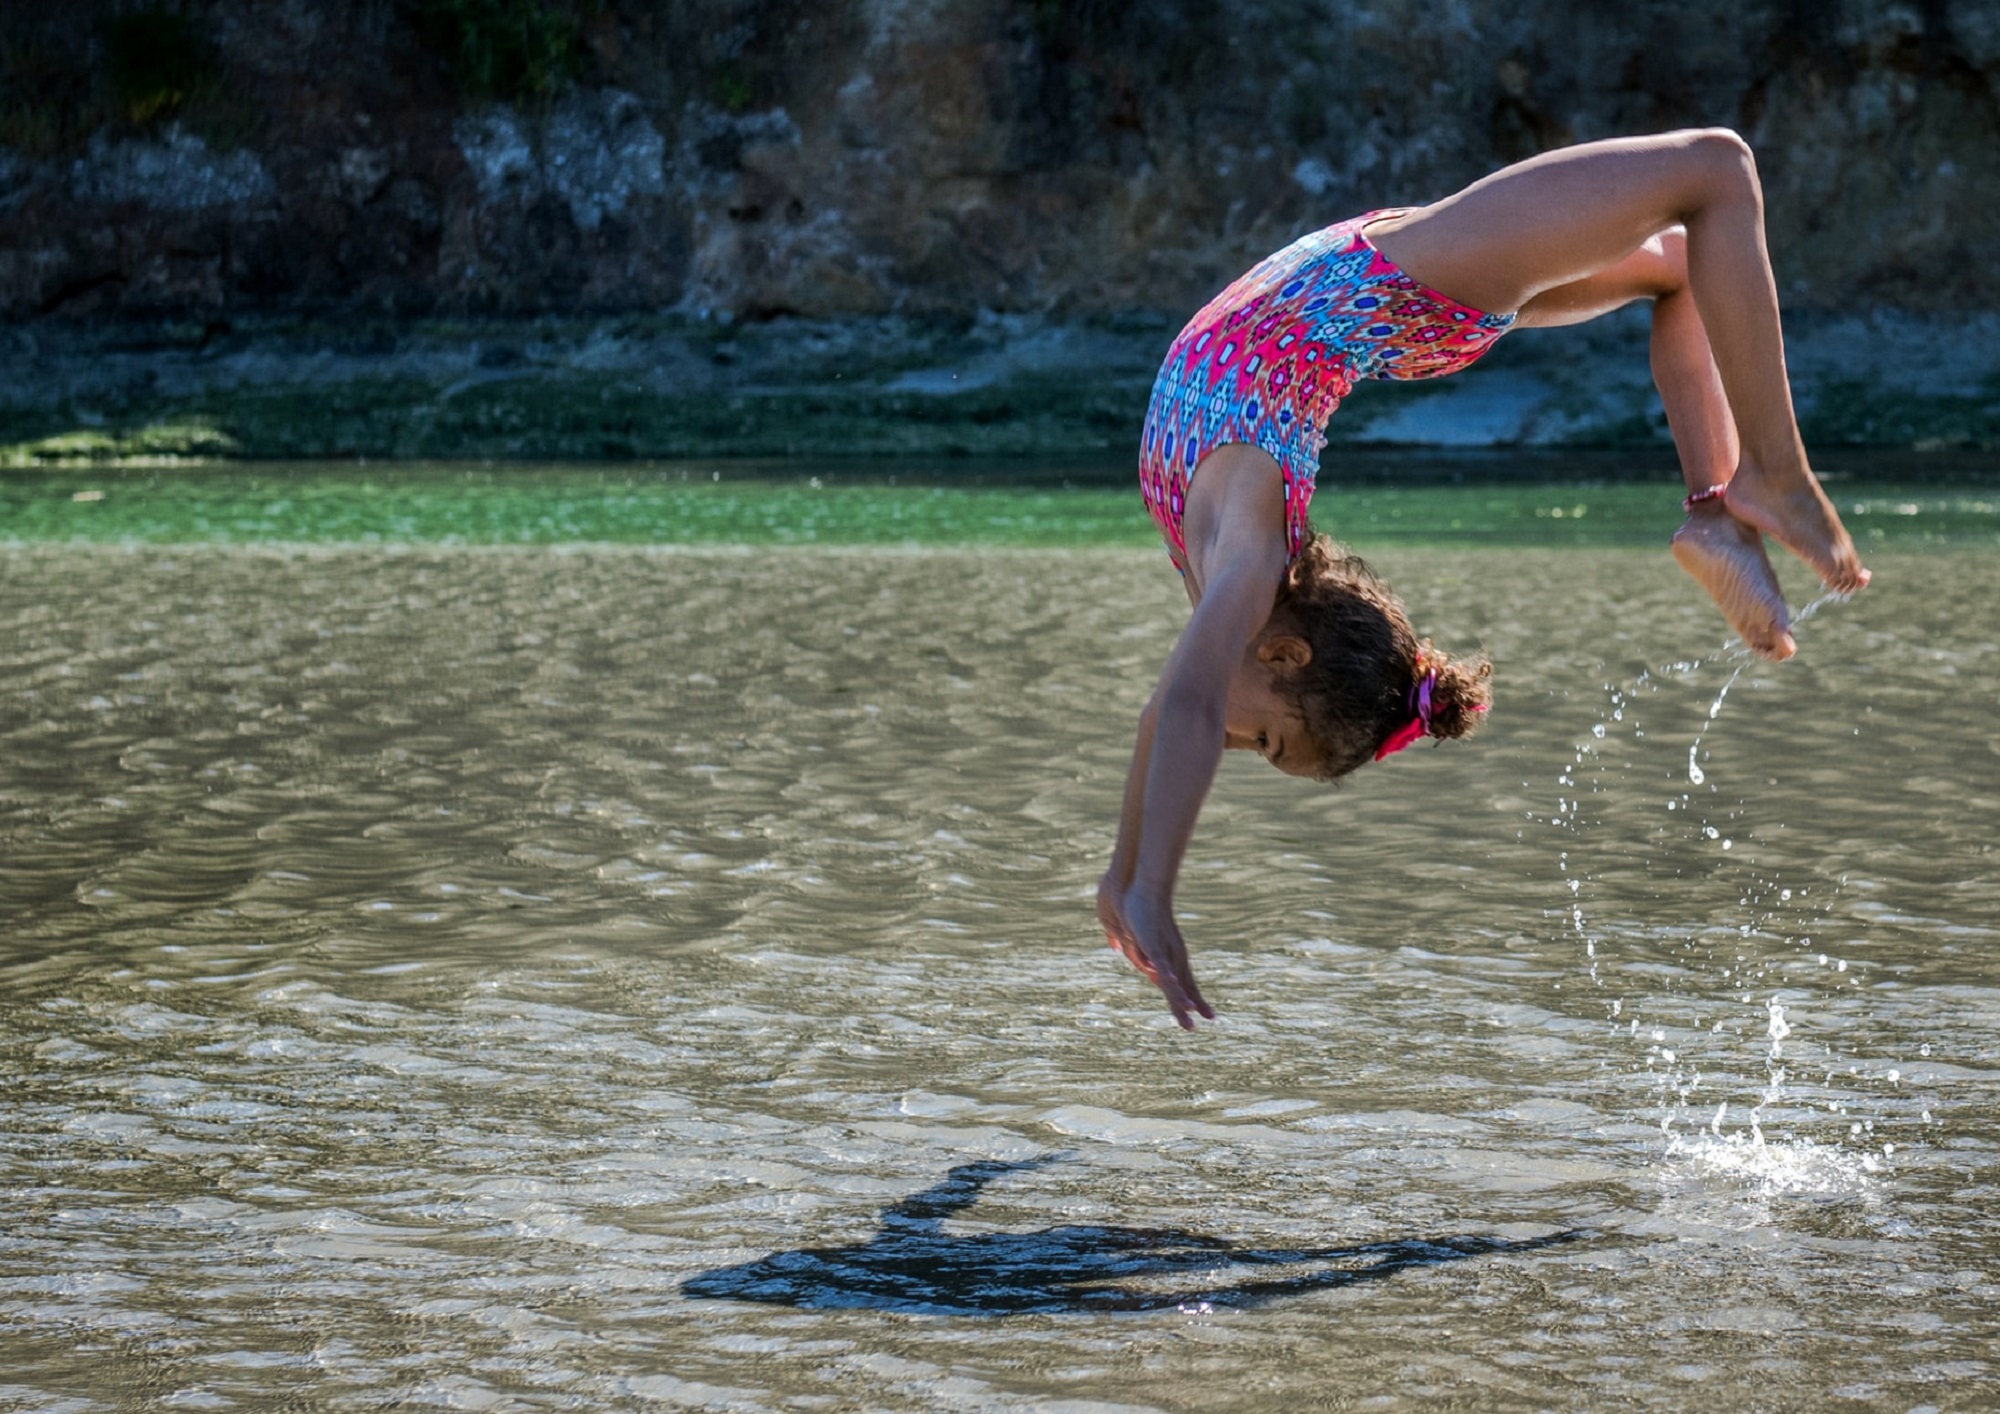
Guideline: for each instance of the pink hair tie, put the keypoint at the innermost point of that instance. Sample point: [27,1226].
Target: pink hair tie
[1419,725]
[1404,735]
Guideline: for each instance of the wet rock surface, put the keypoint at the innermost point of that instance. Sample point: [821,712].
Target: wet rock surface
[826,158]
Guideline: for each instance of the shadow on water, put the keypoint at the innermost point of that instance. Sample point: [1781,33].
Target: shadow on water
[911,1264]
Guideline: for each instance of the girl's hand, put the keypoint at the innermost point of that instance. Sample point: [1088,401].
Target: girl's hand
[1152,942]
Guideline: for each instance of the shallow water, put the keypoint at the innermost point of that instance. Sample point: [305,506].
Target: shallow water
[608,977]
[1575,499]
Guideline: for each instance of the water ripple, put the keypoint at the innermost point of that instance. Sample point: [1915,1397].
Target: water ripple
[535,978]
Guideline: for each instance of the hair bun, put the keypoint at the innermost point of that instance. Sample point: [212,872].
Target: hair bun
[1460,696]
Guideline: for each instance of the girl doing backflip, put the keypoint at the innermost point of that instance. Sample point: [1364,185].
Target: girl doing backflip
[1295,650]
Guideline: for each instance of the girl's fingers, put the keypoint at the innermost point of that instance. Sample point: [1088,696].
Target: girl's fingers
[1172,980]
[1195,998]
[1191,995]
[1170,974]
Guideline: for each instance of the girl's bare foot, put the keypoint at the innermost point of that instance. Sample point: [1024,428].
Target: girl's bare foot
[1800,517]
[1726,557]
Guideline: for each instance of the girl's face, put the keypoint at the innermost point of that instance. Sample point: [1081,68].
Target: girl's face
[1259,716]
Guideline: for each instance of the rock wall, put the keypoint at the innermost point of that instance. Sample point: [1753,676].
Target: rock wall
[836,158]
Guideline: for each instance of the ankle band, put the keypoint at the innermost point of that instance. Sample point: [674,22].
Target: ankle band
[1707,493]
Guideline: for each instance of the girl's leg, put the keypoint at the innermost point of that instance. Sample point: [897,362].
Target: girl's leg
[1722,554]
[1683,364]
[1563,216]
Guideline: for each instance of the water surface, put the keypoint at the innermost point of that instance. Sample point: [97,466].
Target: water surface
[1577,499]
[606,976]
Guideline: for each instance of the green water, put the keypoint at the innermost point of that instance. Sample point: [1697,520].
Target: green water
[716,504]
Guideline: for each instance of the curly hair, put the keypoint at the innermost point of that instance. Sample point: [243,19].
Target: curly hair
[1358,690]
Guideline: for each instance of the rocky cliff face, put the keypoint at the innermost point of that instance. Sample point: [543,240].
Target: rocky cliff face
[746,227]
[829,158]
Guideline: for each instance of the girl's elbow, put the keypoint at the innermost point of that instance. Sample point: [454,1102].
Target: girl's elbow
[1189,710]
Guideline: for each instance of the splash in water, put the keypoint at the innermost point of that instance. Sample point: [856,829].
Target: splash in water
[1775,1168]
[1691,1071]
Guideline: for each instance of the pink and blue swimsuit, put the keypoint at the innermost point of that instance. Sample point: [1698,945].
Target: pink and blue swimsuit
[1269,359]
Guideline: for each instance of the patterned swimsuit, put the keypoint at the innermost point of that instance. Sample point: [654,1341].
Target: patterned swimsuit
[1269,359]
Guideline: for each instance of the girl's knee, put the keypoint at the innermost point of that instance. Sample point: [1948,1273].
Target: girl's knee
[1664,258]
[1724,160]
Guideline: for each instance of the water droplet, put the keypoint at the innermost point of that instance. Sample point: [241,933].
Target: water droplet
[1777,1030]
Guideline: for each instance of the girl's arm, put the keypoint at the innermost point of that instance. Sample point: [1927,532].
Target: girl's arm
[1244,560]
[1117,879]
[1125,854]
